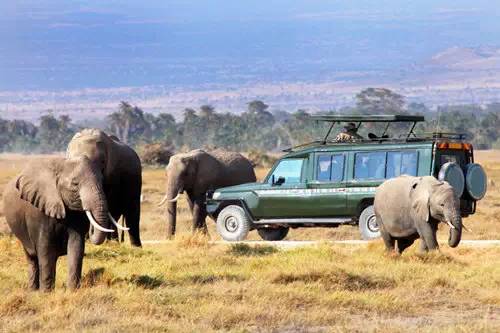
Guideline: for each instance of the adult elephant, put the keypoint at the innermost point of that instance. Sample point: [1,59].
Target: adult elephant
[195,173]
[44,207]
[408,208]
[121,173]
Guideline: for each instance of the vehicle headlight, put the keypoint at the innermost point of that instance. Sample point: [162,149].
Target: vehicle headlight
[216,195]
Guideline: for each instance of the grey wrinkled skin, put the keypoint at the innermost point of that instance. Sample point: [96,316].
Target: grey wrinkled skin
[121,172]
[44,207]
[198,171]
[408,208]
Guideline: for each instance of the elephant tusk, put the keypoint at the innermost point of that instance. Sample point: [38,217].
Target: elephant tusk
[176,198]
[165,198]
[466,229]
[117,224]
[95,224]
[451,225]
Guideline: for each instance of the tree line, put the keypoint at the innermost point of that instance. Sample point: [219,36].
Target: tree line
[257,128]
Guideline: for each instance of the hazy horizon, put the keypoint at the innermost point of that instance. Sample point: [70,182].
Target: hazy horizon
[59,45]
[82,57]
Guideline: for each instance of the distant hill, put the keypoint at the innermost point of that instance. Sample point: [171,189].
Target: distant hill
[455,75]
[468,58]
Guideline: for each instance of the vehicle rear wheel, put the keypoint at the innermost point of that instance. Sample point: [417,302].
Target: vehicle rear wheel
[233,223]
[273,234]
[368,226]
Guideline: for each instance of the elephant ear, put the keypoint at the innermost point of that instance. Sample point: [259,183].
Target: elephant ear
[37,185]
[420,201]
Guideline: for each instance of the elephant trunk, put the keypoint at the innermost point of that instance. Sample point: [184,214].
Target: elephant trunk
[95,205]
[455,231]
[171,219]
[173,191]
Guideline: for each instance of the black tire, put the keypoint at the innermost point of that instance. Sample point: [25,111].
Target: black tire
[273,234]
[233,223]
[368,226]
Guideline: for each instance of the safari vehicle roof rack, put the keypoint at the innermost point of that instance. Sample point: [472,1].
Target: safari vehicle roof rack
[378,118]
[447,135]
[359,119]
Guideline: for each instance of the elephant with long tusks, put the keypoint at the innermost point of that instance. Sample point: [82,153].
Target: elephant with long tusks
[49,207]
[121,172]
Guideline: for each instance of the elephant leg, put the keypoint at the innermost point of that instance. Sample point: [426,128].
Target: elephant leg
[47,261]
[404,243]
[389,241]
[132,217]
[423,247]
[33,271]
[428,235]
[75,250]
[199,215]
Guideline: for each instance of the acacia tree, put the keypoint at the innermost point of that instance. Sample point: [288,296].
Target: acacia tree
[379,101]
[129,124]
[54,133]
[162,127]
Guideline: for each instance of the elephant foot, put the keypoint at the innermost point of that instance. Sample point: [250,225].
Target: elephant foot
[46,289]
[33,286]
[73,285]
[136,244]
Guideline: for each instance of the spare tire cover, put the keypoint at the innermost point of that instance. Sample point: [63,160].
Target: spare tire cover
[476,181]
[452,173]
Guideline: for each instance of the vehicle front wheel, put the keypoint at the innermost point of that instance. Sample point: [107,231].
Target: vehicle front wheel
[368,226]
[233,223]
[273,234]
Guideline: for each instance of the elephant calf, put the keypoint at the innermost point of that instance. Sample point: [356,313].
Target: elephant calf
[195,173]
[44,207]
[408,208]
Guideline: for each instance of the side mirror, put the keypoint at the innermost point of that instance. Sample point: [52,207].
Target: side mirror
[278,182]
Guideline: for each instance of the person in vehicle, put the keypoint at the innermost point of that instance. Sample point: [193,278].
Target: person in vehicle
[349,134]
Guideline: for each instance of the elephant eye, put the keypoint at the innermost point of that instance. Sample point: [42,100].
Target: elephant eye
[442,205]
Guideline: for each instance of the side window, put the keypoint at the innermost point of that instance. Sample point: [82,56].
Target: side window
[324,168]
[370,165]
[401,163]
[409,163]
[337,168]
[393,164]
[330,168]
[290,169]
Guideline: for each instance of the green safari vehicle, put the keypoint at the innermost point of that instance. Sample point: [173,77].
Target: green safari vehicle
[327,183]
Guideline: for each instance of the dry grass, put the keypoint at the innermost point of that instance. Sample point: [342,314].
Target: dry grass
[198,287]
[191,285]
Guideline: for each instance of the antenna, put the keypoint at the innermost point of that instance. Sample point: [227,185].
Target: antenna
[438,120]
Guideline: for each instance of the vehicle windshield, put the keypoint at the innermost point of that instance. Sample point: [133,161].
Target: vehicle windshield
[289,169]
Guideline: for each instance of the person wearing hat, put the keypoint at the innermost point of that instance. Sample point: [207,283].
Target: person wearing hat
[349,134]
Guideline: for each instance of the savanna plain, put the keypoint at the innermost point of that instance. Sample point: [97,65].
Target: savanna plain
[194,285]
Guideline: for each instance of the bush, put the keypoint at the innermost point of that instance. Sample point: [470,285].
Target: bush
[260,159]
[155,154]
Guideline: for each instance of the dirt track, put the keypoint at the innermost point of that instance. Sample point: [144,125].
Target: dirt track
[295,244]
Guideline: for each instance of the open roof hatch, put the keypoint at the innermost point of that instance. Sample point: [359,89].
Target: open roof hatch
[334,119]
[359,119]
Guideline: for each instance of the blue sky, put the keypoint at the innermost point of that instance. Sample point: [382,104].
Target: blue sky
[77,44]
